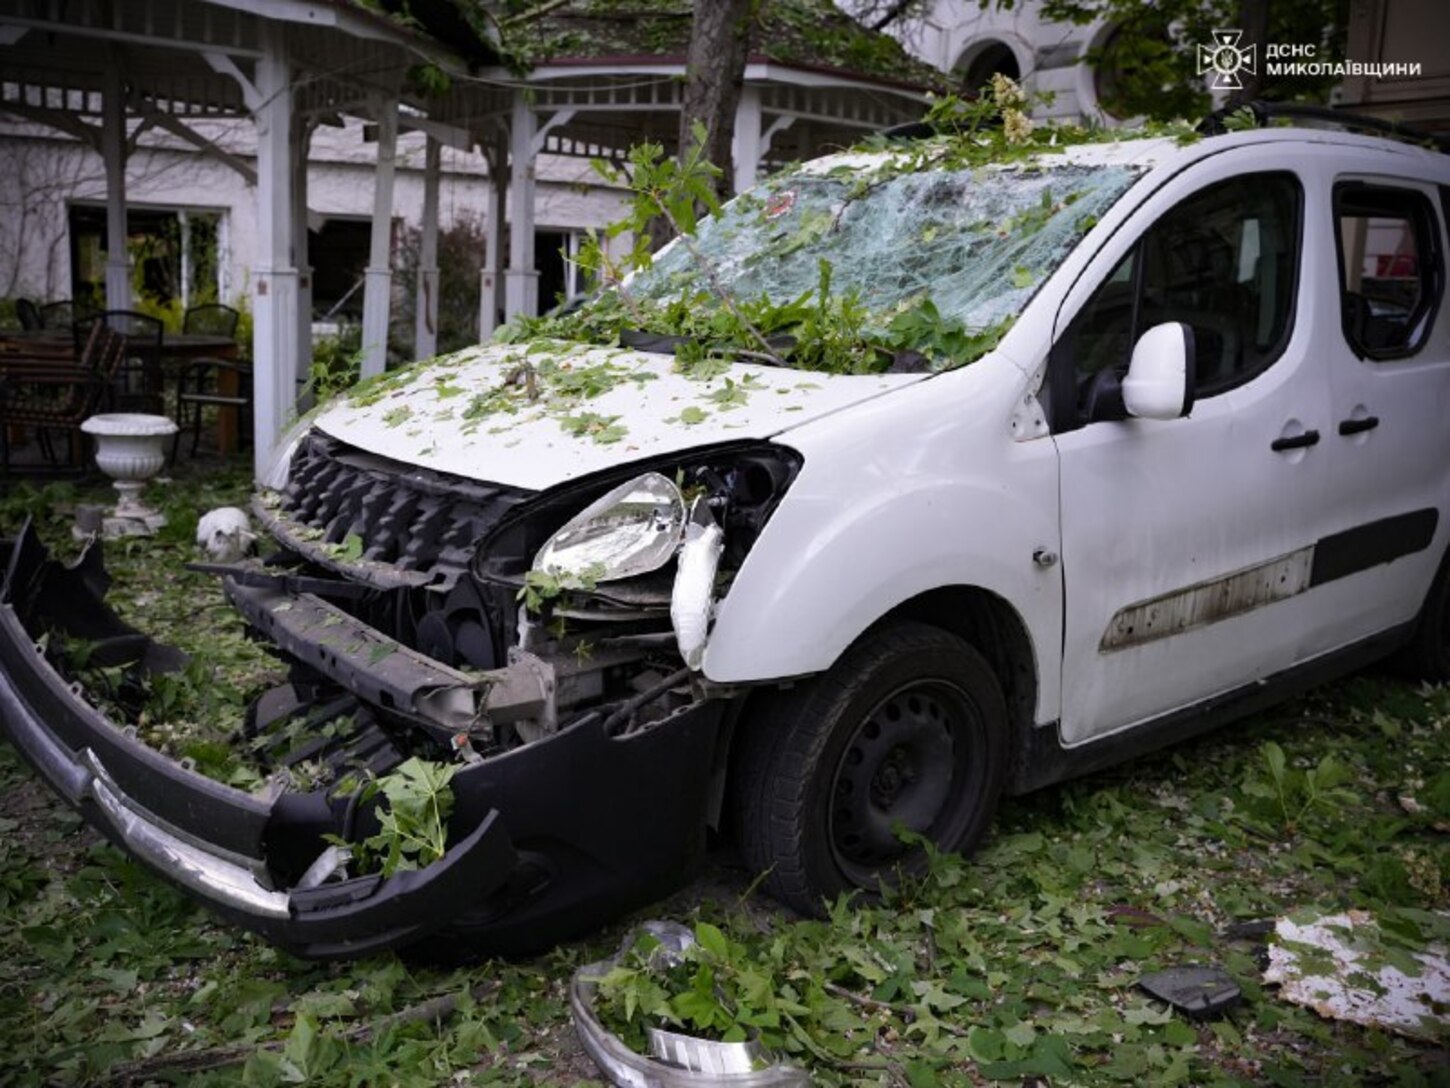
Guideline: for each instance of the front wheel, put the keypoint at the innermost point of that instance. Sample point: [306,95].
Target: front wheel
[907,730]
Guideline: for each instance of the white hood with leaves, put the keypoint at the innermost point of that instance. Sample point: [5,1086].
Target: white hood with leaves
[536,415]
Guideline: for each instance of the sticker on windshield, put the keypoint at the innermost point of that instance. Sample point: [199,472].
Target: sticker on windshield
[779,204]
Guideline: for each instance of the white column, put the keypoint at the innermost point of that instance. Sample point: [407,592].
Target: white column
[492,276]
[521,284]
[425,328]
[183,221]
[301,151]
[746,148]
[113,152]
[274,307]
[378,288]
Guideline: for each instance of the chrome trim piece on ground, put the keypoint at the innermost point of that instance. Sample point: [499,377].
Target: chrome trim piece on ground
[681,1061]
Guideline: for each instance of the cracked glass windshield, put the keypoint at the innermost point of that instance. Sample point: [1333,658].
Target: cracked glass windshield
[972,244]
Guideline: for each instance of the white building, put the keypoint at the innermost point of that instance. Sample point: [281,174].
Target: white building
[53,198]
[972,42]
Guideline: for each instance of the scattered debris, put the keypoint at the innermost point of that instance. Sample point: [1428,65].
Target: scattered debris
[1344,967]
[1197,992]
[1257,930]
[676,1060]
[226,534]
[170,1064]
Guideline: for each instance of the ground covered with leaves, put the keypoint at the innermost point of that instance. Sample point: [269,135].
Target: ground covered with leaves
[1022,963]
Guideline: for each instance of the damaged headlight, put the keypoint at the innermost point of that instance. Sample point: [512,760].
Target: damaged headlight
[632,530]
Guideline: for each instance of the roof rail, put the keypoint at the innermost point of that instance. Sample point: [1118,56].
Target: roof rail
[1265,113]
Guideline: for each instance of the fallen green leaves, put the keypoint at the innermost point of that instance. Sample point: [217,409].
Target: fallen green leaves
[1024,962]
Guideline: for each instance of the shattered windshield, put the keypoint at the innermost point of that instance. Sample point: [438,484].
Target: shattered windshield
[976,242]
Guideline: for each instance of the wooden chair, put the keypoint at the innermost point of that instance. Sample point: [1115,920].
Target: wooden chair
[51,393]
[62,315]
[213,319]
[139,381]
[208,382]
[29,314]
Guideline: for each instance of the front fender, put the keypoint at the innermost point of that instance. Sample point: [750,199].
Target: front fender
[851,541]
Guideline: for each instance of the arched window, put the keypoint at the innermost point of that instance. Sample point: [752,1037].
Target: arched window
[984,59]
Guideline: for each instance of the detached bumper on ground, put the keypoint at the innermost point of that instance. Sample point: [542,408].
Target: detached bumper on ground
[547,840]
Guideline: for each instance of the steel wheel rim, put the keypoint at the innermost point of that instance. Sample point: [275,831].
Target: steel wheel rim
[910,761]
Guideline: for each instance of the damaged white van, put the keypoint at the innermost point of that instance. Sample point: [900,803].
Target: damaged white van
[907,482]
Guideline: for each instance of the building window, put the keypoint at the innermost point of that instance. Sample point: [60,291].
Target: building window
[985,59]
[560,278]
[176,254]
[338,254]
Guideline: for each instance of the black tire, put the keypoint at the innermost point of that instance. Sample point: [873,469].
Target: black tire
[1428,654]
[909,726]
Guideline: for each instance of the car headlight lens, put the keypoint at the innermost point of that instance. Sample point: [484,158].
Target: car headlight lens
[629,531]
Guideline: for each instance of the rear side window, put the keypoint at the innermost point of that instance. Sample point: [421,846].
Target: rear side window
[1225,262]
[1390,274]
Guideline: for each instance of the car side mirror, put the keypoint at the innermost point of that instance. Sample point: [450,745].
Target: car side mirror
[1159,382]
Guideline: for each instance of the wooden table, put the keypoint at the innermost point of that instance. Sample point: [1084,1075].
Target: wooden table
[193,345]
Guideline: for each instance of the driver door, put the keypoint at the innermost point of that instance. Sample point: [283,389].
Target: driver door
[1187,543]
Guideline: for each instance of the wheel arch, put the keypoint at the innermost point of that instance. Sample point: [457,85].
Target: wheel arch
[978,616]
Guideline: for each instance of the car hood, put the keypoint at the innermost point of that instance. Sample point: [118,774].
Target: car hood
[536,415]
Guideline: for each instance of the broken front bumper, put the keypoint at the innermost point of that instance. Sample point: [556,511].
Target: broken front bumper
[549,840]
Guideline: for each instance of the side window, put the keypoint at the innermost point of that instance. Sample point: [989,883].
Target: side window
[1389,268]
[1225,262]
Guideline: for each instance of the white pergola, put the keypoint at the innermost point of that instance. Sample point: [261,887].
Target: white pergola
[601,107]
[106,71]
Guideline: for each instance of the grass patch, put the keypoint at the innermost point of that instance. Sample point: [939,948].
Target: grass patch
[1022,962]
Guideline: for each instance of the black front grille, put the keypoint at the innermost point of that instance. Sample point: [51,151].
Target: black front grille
[408,518]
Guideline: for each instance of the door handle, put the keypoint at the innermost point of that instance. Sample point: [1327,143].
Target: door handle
[1358,426]
[1297,442]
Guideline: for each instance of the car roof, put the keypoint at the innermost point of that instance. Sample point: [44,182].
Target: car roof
[1129,147]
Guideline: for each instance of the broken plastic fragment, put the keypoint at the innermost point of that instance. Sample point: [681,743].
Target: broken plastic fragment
[694,591]
[1197,992]
[1342,967]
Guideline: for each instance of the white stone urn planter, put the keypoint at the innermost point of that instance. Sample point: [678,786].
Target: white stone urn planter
[130,448]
